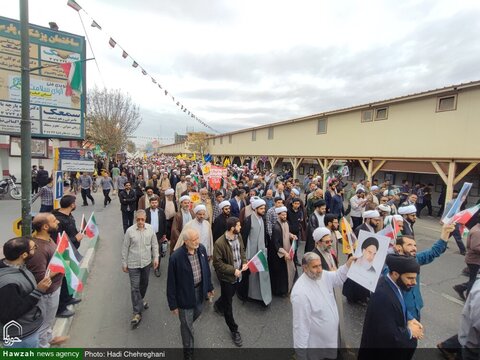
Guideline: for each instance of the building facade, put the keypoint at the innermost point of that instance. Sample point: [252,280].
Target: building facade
[429,135]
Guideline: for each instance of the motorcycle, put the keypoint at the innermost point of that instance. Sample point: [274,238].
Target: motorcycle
[9,186]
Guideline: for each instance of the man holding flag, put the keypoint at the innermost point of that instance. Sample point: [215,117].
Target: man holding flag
[67,224]
[44,224]
[281,255]
[229,262]
[255,286]
[407,246]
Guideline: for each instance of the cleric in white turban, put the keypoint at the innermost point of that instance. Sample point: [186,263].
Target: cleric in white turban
[203,228]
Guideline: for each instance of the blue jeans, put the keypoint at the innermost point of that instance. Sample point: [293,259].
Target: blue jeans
[46,208]
[30,341]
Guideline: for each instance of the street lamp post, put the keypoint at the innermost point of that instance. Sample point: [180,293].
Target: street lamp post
[25,124]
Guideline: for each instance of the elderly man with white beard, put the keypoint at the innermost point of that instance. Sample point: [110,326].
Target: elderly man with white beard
[315,312]
[200,225]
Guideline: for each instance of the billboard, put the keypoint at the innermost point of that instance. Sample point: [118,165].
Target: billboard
[53,113]
[76,160]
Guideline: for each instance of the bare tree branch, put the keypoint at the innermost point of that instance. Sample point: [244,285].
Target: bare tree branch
[111,118]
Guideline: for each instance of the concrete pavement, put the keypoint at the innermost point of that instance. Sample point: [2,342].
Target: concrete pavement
[102,319]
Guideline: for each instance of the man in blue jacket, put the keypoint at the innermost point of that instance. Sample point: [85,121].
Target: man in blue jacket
[407,246]
[188,284]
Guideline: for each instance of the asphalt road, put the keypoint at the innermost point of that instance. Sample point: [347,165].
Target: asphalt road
[103,317]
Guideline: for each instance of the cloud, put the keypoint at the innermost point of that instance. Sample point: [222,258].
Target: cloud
[196,11]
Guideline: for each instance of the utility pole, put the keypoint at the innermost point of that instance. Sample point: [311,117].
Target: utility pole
[25,124]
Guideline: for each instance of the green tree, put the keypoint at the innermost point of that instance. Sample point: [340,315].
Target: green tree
[111,118]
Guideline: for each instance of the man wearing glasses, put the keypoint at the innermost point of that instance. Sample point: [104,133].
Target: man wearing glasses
[323,248]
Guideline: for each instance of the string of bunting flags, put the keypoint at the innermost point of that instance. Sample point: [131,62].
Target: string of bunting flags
[74,5]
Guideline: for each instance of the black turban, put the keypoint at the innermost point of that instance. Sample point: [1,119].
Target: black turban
[402,264]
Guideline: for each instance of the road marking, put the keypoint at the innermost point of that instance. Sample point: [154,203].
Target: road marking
[452,299]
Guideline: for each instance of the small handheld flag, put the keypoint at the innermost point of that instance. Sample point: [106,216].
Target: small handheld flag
[258,262]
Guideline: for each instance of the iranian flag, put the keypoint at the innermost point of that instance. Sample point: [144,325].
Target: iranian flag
[258,263]
[64,261]
[293,248]
[73,70]
[91,229]
[464,216]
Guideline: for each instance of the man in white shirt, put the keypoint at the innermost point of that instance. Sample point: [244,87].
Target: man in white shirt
[315,313]
[202,226]
[357,203]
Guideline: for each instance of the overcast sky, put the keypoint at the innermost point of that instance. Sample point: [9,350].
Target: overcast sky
[242,63]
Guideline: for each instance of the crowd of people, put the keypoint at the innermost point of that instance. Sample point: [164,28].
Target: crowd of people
[169,208]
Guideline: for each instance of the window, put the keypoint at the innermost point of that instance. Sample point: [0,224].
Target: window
[254,135]
[322,126]
[208,142]
[229,139]
[447,103]
[270,133]
[381,113]
[213,141]
[221,140]
[367,115]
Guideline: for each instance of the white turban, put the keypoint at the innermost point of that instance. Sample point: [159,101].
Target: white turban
[374,187]
[257,203]
[370,214]
[185,198]
[405,210]
[253,198]
[385,208]
[223,204]
[319,233]
[169,191]
[296,192]
[281,209]
[199,207]
[398,217]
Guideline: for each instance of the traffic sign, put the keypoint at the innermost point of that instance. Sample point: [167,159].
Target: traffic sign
[58,185]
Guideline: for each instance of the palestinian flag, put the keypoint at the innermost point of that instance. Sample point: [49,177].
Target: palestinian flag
[73,70]
[91,229]
[348,237]
[73,4]
[258,263]
[293,248]
[64,261]
[464,216]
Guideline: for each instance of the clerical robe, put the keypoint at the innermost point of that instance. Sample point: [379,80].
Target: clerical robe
[315,314]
